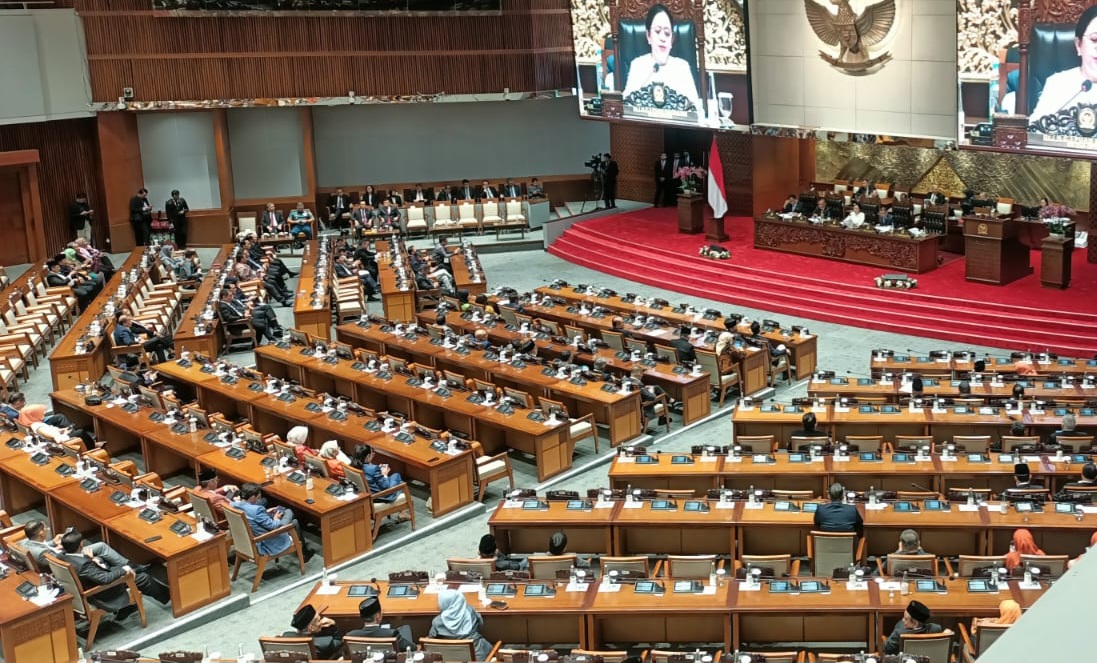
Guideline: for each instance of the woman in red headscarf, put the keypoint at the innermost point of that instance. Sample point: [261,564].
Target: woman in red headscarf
[1023,544]
[1092,542]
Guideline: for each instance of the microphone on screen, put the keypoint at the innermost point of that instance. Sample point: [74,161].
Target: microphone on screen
[1087,85]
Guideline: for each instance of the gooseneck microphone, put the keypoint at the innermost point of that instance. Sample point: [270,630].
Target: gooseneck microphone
[1087,85]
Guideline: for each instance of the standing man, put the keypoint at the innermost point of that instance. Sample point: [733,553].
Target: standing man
[609,181]
[177,209]
[676,162]
[141,217]
[80,214]
[662,179]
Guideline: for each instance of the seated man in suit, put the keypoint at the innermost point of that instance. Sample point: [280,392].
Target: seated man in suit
[307,622]
[84,289]
[379,477]
[262,520]
[444,194]
[124,335]
[910,543]
[489,550]
[339,209]
[262,316]
[821,211]
[488,192]
[1088,477]
[512,190]
[38,544]
[396,198]
[345,269]
[1067,430]
[915,620]
[420,195]
[790,204]
[373,627]
[534,189]
[362,219]
[102,565]
[683,346]
[388,215]
[271,221]
[836,516]
[1022,478]
[465,191]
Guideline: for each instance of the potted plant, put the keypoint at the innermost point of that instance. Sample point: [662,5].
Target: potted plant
[690,178]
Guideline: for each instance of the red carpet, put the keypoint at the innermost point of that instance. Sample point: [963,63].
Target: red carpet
[645,246]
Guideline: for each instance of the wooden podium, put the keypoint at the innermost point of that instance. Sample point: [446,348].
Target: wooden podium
[1055,255]
[994,253]
[691,213]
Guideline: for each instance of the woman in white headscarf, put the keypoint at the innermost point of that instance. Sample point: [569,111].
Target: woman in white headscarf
[458,621]
[727,356]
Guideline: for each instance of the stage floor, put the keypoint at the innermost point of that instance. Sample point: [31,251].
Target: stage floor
[644,245]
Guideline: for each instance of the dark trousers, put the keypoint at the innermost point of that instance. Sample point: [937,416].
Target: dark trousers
[609,192]
[180,232]
[662,188]
[141,232]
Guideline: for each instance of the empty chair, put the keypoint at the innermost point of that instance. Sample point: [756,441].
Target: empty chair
[544,567]
[874,443]
[297,645]
[490,469]
[666,353]
[451,651]
[581,427]
[606,656]
[482,566]
[936,646]
[1012,442]
[918,564]
[417,221]
[759,443]
[629,564]
[466,216]
[913,442]
[636,345]
[615,340]
[979,640]
[720,383]
[971,566]
[971,443]
[833,550]
[793,494]
[781,565]
[490,213]
[774,656]
[1050,566]
[916,495]
[689,566]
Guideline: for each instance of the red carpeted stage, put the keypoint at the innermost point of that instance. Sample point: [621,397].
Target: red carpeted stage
[645,246]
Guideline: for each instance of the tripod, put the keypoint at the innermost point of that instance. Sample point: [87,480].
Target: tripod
[595,189]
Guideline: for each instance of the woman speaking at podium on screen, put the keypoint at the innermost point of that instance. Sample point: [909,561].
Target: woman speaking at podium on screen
[663,72]
[1071,87]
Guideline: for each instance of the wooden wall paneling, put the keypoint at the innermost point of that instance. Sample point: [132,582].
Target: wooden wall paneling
[68,163]
[308,147]
[737,157]
[776,171]
[13,250]
[120,152]
[636,147]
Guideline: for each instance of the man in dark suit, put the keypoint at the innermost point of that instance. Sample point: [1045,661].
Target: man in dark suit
[345,269]
[104,567]
[420,195]
[271,221]
[261,315]
[835,516]
[362,218]
[465,191]
[388,215]
[915,620]
[338,209]
[372,616]
[124,335]
[683,346]
[371,197]
[444,194]
[662,181]
[791,204]
[80,214]
[609,181]
[512,190]
[325,636]
[176,208]
[141,217]
[488,192]
[441,255]
[395,198]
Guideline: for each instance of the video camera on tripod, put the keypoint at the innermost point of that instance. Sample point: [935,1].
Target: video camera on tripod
[595,162]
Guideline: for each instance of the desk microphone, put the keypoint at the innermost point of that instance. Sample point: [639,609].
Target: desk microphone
[1086,86]
[921,488]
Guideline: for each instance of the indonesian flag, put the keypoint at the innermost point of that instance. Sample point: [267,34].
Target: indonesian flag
[716,197]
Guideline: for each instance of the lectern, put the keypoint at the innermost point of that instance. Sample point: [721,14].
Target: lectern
[993,250]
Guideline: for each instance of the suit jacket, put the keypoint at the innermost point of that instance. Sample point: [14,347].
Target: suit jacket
[262,522]
[402,635]
[512,190]
[363,217]
[488,192]
[388,215]
[76,218]
[377,481]
[465,192]
[140,210]
[124,336]
[611,171]
[684,348]
[231,312]
[94,575]
[838,517]
[372,199]
[343,270]
[176,209]
[339,204]
[422,195]
[662,170]
[444,194]
[272,221]
[895,641]
[396,199]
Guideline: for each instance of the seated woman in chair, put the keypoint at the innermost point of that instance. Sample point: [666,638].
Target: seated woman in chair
[659,69]
[1071,86]
[459,621]
[334,458]
[727,355]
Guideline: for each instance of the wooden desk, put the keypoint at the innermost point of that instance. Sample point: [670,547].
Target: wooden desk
[309,315]
[544,619]
[465,278]
[893,393]
[620,412]
[840,615]
[627,617]
[519,530]
[802,348]
[32,633]
[210,342]
[69,367]
[398,301]
[898,252]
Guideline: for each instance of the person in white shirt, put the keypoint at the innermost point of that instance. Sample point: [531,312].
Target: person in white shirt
[659,66]
[855,218]
[1073,86]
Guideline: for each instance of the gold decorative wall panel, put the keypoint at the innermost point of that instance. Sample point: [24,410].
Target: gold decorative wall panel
[984,27]
[1024,178]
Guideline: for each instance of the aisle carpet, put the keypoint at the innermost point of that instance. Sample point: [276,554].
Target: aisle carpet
[644,246]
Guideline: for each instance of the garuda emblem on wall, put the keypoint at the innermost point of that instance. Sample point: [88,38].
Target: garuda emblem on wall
[853,35]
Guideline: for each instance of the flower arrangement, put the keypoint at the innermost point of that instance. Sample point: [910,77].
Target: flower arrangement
[690,178]
[1056,211]
[714,252]
[896,282]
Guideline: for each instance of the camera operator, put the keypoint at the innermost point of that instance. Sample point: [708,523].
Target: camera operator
[609,181]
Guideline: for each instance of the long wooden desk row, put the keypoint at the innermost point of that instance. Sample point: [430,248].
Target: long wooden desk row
[196,563]
[899,363]
[726,614]
[802,348]
[344,522]
[550,445]
[894,391]
[709,527]
[31,632]
[689,388]
[620,412]
[212,339]
[781,421]
[894,251]
[669,471]
[70,366]
[312,305]
[449,476]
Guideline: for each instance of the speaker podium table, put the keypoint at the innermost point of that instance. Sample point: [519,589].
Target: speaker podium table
[994,251]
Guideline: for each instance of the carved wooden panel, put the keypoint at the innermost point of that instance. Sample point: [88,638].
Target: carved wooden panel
[69,164]
[737,156]
[1059,11]
[636,148]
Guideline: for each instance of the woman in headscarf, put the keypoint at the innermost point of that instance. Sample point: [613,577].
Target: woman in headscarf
[334,458]
[166,257]
[727,356]
[1023,544]
[1008,612]
[457,620]
[1092,542]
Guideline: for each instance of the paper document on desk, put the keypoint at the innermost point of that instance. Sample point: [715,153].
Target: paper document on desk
[603,588]
[1029,585]
[328,590]
[889,586]
[969,507]
[725,505]
[512,504]
[744,587]
[603,505]
[855,586]
[635,504]
[626,459]
[577,587]
[709,590]
[879,506]
[201,535]
[469,588]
